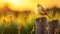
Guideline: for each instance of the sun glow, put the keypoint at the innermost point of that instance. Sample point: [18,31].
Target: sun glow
[20,4]
[15,2]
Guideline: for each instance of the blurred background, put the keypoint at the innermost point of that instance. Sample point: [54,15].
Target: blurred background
[19,16]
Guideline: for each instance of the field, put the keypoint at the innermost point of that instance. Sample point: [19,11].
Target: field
[15,22]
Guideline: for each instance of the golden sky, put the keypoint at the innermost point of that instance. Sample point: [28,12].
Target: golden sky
[28,4]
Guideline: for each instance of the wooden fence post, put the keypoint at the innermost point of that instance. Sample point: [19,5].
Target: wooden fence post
[41,25]
[52,26]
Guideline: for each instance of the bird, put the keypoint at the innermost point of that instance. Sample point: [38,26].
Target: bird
[42,10]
